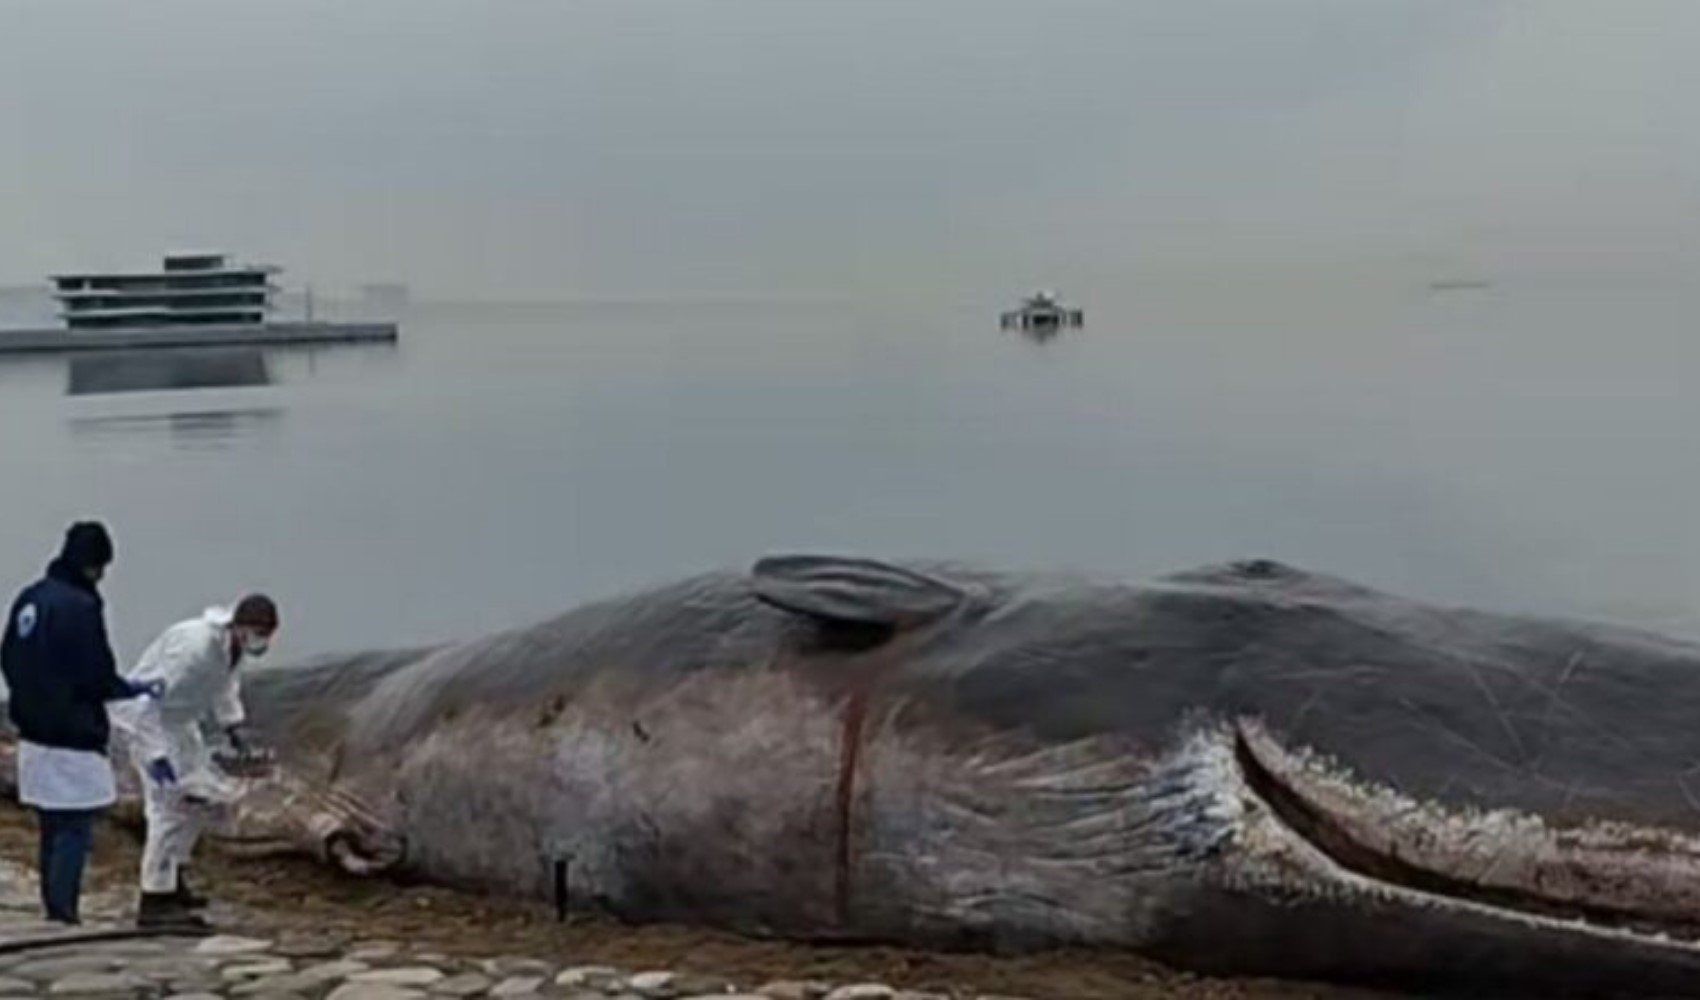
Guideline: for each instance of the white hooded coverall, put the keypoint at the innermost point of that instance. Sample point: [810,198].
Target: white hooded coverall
[193,660]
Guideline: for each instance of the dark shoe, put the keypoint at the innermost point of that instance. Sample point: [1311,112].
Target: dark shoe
[162,909]
[188,898]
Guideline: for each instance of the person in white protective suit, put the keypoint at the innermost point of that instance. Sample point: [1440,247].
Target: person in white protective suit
[183,789]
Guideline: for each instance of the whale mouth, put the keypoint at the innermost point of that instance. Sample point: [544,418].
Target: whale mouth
[1633,882]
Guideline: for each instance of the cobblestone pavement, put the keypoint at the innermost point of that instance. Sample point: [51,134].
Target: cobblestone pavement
[324,967]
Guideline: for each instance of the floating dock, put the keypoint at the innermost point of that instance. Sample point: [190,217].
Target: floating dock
[53,340]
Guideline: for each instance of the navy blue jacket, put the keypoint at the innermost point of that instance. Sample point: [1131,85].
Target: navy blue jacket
[58,663]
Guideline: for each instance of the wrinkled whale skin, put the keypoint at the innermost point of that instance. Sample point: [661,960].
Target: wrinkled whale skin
[1241,768]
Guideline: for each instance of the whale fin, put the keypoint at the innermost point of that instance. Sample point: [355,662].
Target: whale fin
[843,590]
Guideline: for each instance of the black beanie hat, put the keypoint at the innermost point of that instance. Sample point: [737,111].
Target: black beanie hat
[87,545]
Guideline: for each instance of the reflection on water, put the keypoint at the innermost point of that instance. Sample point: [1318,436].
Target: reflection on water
[197,398]
[192,398]
[1041,333]
[201,428]
[143,371]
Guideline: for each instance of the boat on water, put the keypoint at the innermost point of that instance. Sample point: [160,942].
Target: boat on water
[1043,310]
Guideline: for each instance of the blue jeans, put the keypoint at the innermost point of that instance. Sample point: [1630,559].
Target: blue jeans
[66,835]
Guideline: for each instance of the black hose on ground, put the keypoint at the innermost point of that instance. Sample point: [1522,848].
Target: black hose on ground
[111,934]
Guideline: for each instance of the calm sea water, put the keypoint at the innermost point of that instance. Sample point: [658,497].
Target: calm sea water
[1525,448]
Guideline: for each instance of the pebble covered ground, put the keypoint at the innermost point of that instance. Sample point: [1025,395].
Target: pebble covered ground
[291,930]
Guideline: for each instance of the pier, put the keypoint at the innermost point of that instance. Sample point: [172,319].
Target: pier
[54,340]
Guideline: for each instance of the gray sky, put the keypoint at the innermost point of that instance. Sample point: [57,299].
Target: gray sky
[554,149]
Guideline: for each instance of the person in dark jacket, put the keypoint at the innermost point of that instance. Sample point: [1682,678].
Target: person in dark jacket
[60,672]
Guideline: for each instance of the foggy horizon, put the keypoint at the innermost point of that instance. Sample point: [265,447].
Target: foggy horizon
[751,149]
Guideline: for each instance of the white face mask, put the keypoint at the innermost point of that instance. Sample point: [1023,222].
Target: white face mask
[255,645]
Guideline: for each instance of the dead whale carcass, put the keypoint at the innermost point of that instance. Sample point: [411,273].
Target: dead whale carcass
[1244,768]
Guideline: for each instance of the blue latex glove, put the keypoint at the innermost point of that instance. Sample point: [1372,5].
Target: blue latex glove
[147,689]
[161,771]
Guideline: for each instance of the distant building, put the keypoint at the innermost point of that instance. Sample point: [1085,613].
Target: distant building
[193,289]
